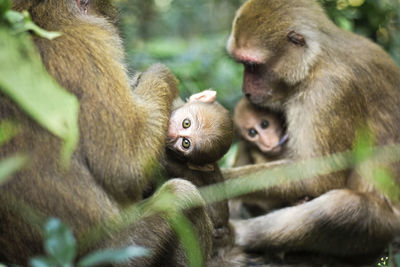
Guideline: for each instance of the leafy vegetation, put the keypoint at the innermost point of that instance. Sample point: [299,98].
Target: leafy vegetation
[189,36]
[32,93]
[61,247]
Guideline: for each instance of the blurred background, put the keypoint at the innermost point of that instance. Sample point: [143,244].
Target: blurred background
[189,36]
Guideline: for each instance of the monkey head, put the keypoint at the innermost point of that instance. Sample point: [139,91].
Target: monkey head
[200,131]
[277,47]
[261,128]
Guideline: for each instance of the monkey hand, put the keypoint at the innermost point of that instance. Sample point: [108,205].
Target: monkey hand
[158,75]
[177,195]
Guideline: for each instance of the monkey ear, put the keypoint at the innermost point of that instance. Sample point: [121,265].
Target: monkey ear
[296,38]
[202,168]
[207,96]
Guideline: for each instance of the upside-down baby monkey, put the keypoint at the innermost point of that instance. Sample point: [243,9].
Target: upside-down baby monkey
[262,134]
[200,132]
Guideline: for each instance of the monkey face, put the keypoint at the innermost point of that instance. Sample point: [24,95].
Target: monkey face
[276,52]
[262,130]
[183,129]
[262,87]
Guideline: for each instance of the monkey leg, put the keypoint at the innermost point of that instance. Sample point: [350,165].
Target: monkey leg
[166,248]
[84,206]
[342,223]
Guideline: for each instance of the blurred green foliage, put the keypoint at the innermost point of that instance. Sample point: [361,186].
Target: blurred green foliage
[60,115]
[60,247]
[189,36]
[376,19]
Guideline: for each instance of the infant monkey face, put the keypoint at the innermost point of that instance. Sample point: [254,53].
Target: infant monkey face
[264,132]
[183,129]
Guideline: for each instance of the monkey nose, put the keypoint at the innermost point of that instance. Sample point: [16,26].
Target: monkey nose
[172,132]
[172,135]
[248,95]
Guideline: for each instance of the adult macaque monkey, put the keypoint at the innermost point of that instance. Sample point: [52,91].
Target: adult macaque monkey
[122,140]
[329,83]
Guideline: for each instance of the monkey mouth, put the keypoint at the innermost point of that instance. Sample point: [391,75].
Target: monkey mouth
[276,149]
[175,154]
[283,140]
[271,150]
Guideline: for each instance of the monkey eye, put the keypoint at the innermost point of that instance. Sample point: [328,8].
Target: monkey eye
[264,124]
[296,38]
[84,5]
[252,132]
[186,123]
[185,143]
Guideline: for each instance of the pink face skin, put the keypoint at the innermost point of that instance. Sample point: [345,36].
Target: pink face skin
[263,130]
[183,129]
[184,124]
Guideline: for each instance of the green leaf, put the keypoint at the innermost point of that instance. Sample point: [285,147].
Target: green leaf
[29,25]
[59,242]
[385,182]
[342,4]
[5,5]
[22,22]
[189,239]
[8,129]
[10,165]
[356,3]
[25,80]
[363,147]
[42,262]
[345,23]
[397,259]
[113,256]
[14,17]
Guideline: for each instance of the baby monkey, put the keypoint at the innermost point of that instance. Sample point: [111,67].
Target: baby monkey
[262,132]
[263,138]
[200,131]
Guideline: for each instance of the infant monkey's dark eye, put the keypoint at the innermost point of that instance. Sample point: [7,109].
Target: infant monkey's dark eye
[185,143]
[252,132]
[186,123]
[264,124]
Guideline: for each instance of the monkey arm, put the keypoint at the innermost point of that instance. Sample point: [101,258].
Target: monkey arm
[341,216]
[275,181]
[133,145]
[149,85]
[237,172]
[243,155]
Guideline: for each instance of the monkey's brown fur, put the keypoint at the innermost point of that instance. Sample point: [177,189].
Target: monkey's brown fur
[122,140]
[329,83]
[224,252]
